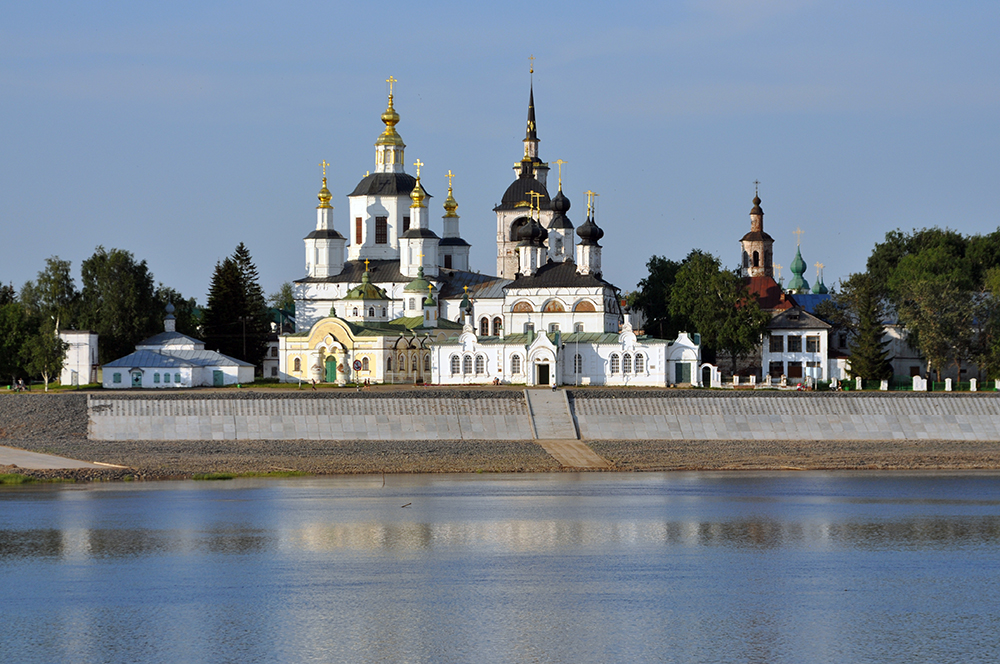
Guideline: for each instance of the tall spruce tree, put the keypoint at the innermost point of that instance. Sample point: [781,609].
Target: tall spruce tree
[236,320]
[869,354]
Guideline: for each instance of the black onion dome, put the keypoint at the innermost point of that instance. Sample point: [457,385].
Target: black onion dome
[589,232]
[560,204]
[532,234]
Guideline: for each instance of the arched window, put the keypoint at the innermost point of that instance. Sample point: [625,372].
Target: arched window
[553,327]
[412,303]
[640,363]
[515,364]
[454,365]
[371,312]
[529,327]
[402,363]
[577,364]
[627,364]
[615,363]
[578,327]
[355,312]
[297,365]
[467,364]
[497,324]
[388,365]
[480,364]
[484,327]
[746,260]
[383,312]
[427,363]
[756,259]
[364,364]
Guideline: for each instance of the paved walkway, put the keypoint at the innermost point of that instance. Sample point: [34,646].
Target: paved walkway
[10,456]
[573,454]
[550,415]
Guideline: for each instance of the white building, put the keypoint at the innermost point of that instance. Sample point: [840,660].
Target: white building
[171,359]
[81,364]
[550,287]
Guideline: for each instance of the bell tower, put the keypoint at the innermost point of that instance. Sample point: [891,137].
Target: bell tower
[757,245]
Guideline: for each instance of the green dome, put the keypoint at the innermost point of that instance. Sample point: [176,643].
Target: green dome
[798,282]
[366,290]
[418,285]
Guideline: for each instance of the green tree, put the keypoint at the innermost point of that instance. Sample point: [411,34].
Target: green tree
[16,326]
[863,316]
[118,302]
[236,320]
[53,294]
[653,298]
[45,352]
[717,303]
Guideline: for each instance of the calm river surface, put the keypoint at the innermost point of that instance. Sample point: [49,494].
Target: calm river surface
[678,567]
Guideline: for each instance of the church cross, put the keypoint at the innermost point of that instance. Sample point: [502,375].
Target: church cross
[560,162]
[366,264]
[779,269]
[324,164]
[449,176]
[531,66]
[390,81]
[798,236]
[418,164]
[590,200]
[819,269]
[756,187]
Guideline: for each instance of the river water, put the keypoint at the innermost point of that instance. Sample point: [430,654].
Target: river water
[677,567]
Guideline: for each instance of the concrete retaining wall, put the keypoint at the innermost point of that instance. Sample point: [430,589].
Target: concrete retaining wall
[672,415]
[312,419]
[815,417]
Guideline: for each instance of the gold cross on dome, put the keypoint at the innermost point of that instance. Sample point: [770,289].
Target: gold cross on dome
[366,264]
[390,81]
[798,236]
[418,164]
[779,269]
[466,289]
[324,164]
[756,187]
[819,268]
[531,64]
[421,259]
[449,176]
[560,162]
[590,200]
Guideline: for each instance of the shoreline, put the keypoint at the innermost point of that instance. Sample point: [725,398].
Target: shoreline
[58,424]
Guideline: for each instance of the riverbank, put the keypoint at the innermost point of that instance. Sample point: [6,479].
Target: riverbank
[58,424]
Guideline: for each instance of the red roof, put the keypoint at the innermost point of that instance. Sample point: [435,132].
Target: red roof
[770,297]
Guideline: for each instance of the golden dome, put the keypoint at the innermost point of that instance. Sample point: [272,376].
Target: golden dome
[418,195]
[324,196]
[450,204]
[391,118]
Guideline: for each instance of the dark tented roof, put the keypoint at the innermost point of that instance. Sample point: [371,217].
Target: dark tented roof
[328,234]
[385,184]
[559,275]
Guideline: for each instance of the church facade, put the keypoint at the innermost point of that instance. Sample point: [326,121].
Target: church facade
[390,300]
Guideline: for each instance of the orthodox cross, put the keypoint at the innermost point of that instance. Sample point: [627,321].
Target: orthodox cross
[779,269]
[819,270]
[756,187]
[418,164]
[449,176]
[590,201]
[798,236]
[534,196]
[366,264]
[390,81]
[324,164]
[560,162]
[421,260]
[531,64]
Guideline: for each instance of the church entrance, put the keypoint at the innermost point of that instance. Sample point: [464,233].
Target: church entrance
[682,372]
[331,370]
[137,378]
[706,376]
[542,374]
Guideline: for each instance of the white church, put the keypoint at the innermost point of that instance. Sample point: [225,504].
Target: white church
[396,302]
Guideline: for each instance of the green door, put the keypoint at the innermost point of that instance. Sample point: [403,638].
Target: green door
[136,379]
[331,370]
[217,378]
[682,372]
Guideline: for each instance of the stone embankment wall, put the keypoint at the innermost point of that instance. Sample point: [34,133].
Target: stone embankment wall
[502,415]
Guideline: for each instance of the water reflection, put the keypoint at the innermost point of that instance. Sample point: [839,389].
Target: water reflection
[817,568]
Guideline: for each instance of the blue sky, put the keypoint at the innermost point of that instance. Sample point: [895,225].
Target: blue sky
[177,130]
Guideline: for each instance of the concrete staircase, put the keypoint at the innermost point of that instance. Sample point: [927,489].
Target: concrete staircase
[554,429]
